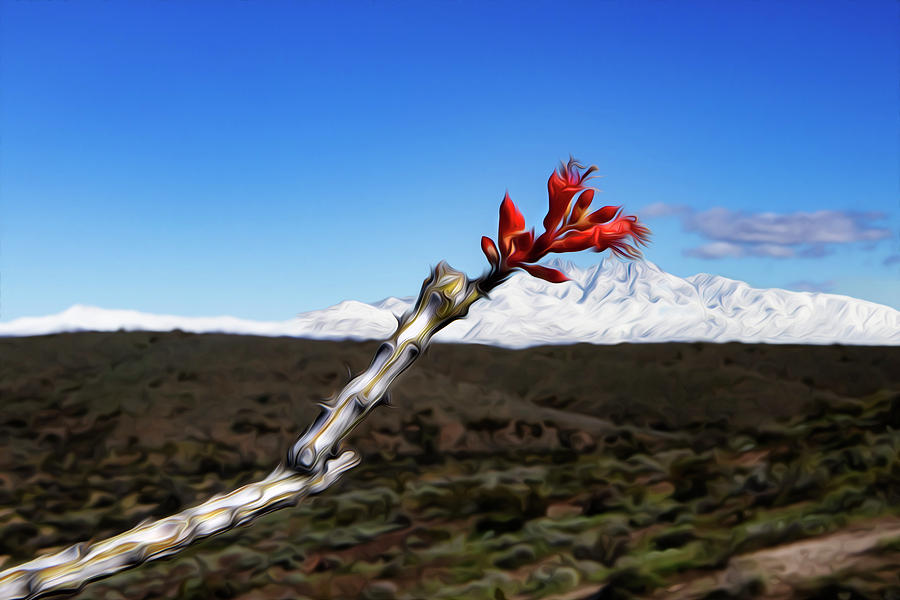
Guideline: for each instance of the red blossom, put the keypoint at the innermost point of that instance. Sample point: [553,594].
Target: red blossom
[568,227]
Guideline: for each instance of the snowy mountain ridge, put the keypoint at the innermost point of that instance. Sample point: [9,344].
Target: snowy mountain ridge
[609,303]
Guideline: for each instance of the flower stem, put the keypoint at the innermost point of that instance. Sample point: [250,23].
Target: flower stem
[314,462]
[445,297]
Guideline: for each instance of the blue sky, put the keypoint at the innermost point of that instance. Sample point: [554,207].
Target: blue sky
[261,159]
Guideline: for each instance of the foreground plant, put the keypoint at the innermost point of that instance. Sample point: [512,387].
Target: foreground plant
[316,459]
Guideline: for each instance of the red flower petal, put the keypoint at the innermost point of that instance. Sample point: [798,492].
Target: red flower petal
[561,192]
[607,213]
[511,223]
[574,242]
[546,273]
[559,201]
[582,204]
[520,246]
[490,251]
[613,234]
[564,184]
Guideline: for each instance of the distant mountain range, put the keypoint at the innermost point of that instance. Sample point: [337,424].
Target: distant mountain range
[609,303]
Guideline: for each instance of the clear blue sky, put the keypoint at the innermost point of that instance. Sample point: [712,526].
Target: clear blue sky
[261,159]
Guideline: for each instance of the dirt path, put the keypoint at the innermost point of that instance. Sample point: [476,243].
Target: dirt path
[781,569]
[775,573]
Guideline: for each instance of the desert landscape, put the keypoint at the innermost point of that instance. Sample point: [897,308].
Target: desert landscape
[677,470]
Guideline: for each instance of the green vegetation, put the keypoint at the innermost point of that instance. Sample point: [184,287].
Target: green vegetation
[674,470]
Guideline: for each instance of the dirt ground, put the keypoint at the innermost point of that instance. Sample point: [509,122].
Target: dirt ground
[569,472]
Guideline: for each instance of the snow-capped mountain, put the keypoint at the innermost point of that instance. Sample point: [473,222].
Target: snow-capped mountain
[609,303]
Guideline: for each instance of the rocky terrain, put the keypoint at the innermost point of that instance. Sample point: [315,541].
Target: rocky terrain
[678,470]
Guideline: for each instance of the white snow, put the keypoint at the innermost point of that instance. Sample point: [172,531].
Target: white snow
[609,303]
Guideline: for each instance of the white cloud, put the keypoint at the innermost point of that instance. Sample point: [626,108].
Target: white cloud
[772,250]
[716,250]
[787,235]
[821,227]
